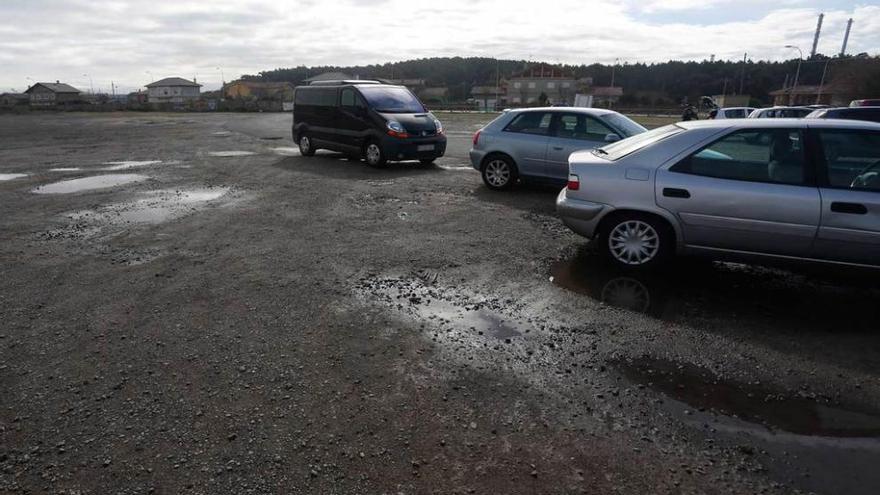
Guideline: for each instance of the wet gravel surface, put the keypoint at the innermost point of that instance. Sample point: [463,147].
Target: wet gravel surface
[217,314]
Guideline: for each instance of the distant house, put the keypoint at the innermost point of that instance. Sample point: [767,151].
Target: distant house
[488,98]
[434,95]
[174,90]
[255,90]
[837,93]
[605,96]
[328,76]
[8,100]
[138,98]
[52,94]
[544,81]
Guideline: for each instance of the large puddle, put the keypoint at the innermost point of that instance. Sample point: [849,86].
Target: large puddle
[231,154]
[765,408]
[4,177]
[811,443]
[89,183]
[731,293]
[128,164]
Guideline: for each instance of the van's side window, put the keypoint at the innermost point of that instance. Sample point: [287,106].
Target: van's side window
[348,98]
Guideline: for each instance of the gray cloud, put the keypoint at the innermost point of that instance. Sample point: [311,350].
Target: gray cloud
[122,40]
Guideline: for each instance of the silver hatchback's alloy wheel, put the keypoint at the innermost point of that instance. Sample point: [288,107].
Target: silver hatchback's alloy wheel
[498,173]
[374,154]
[633,242]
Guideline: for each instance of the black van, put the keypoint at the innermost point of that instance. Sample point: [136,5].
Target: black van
[379,122]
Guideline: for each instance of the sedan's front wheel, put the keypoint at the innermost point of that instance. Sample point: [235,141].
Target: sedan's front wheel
[499,173]
[632,240]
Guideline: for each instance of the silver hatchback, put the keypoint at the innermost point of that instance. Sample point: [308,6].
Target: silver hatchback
[535,143]
[779,188]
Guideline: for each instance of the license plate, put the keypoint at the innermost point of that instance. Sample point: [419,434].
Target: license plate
[426,147]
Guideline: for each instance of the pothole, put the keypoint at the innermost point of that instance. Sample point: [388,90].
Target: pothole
[446,309]
[89,183]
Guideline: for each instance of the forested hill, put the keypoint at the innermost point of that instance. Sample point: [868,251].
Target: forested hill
[665,81]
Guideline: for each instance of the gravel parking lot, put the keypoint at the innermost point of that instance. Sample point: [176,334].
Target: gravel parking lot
[189,306]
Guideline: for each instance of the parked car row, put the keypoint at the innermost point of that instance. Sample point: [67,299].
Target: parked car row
[767,186]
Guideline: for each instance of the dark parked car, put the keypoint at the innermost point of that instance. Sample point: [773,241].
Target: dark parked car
[870,114]
[366,119]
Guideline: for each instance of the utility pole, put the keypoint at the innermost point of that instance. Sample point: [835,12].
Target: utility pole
[822,82]
[742,73]
[497,81]
[796,74]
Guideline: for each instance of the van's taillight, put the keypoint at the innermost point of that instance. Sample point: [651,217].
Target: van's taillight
[477,137]
[574,182]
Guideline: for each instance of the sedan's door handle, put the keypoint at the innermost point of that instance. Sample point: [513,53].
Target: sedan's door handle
[852,208]
[558,148]
[671,192]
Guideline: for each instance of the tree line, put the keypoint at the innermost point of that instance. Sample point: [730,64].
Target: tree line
[658,84]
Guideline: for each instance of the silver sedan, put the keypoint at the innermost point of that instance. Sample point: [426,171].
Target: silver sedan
[740,189]
[535,143]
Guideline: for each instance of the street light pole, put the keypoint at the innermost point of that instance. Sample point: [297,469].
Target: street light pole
[91,84]
[797,72]
[616,61]
[822,82]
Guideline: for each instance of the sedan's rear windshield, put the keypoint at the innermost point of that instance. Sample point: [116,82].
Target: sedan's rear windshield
[620,149]
[391,100]
[624,124]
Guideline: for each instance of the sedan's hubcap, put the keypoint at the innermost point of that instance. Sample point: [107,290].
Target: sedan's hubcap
[305,144]
[634,242]
[498,173]
[373,154]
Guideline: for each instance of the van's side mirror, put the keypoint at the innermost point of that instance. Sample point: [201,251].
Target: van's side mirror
[611,138]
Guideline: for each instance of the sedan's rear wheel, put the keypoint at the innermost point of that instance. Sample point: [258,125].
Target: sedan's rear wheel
[636,241]
[499,173]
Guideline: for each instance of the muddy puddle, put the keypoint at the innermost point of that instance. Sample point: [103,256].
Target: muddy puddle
[230,154]
[4,177]
[150,208]
[89,183]
[444,309]
[804,441]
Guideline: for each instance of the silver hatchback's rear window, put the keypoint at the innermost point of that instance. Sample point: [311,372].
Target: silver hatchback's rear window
[620,149]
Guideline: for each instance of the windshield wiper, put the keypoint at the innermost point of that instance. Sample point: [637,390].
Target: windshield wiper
[599,151]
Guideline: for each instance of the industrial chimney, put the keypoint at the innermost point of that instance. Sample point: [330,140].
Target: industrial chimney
[846,37]
[816,37]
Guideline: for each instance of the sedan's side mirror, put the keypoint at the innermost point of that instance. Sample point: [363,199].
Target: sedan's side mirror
[611,138]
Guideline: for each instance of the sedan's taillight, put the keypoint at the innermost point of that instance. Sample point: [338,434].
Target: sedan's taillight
[574,182]
[477,137]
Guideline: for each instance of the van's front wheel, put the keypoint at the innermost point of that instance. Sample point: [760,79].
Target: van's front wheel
[374,154]
[306,148]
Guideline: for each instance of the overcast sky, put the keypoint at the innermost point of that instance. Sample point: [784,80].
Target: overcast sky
[134,42]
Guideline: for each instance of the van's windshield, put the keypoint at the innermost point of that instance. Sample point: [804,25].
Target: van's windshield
[391,100]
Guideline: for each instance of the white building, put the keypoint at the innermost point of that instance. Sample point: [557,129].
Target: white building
[174,90]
